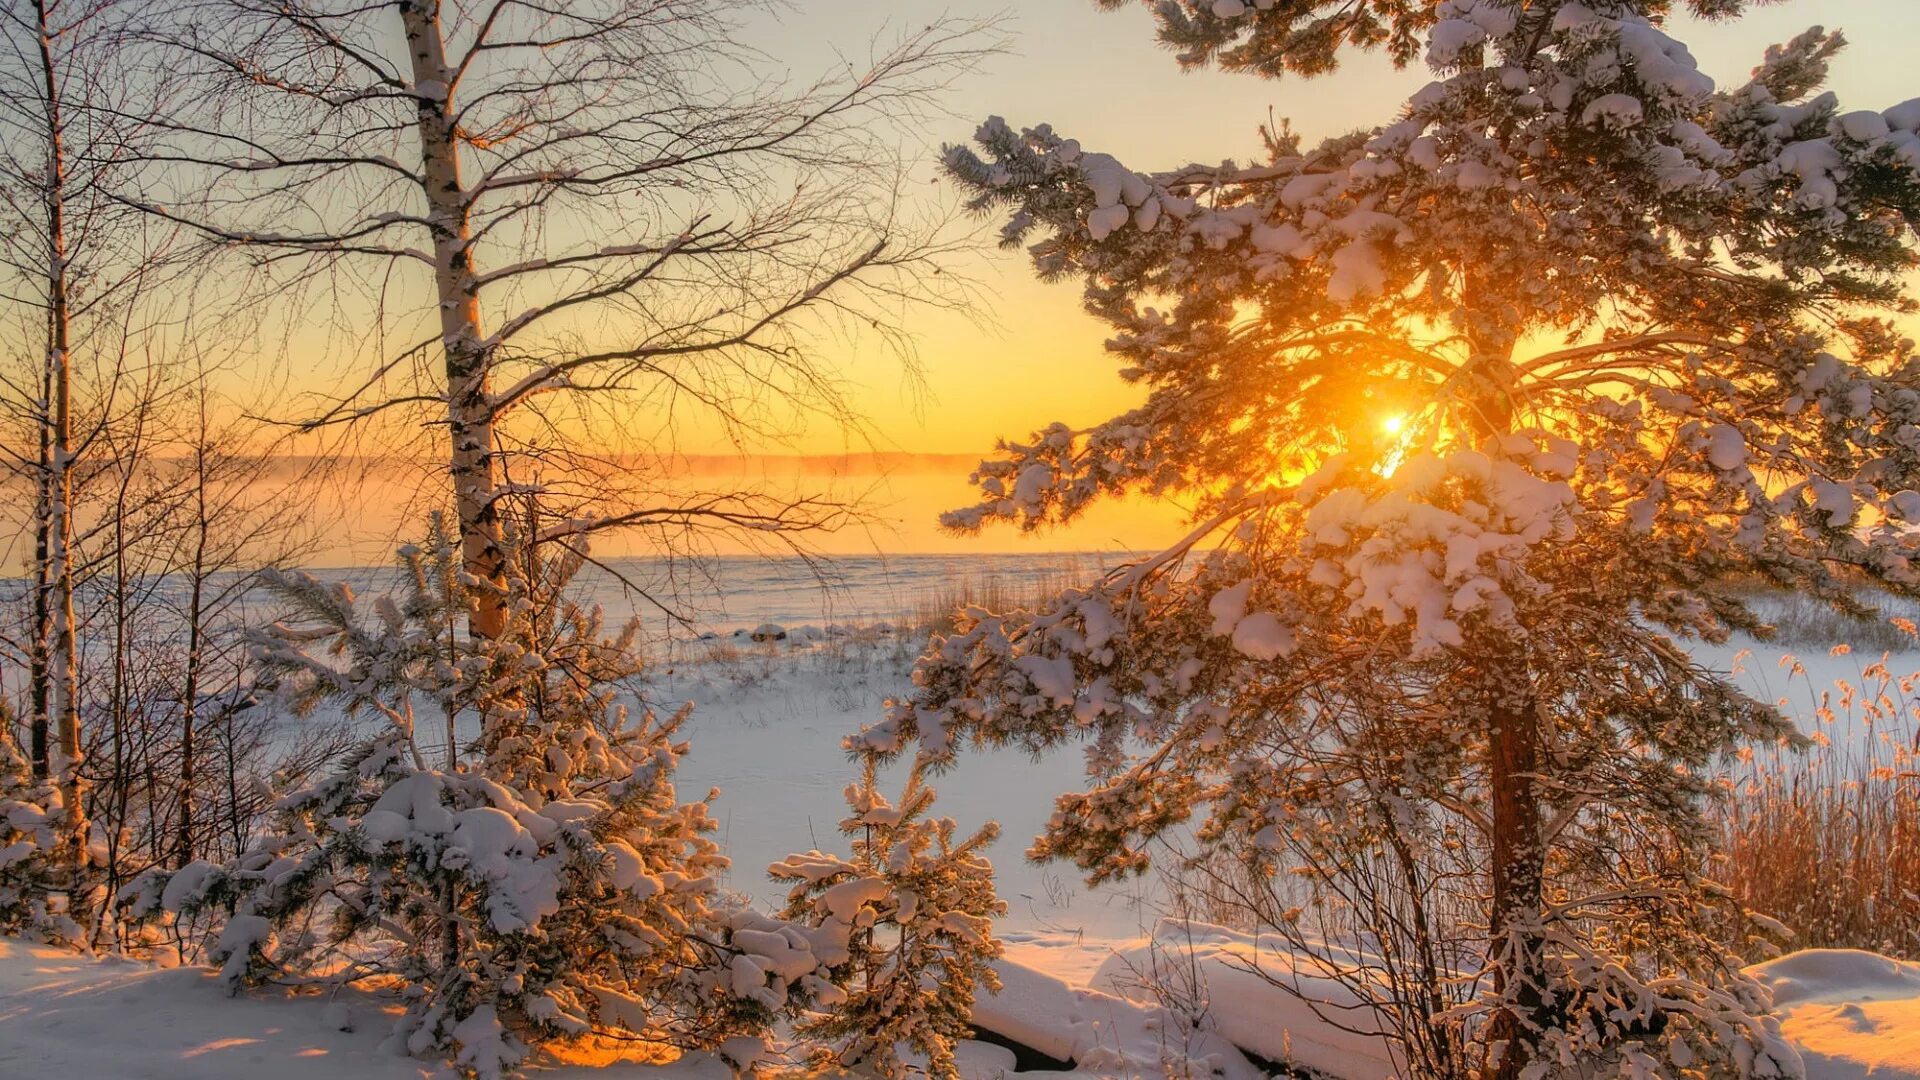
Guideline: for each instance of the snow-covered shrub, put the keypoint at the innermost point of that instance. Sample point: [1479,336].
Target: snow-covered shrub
[27,838]
[546,884]
[904,927]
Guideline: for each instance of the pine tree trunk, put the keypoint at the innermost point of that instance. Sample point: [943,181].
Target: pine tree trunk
[1511,712]
[65,762]
[473,460]
[1513,760]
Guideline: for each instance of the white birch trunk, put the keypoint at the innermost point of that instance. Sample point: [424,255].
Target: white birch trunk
[472,446]
[65,759]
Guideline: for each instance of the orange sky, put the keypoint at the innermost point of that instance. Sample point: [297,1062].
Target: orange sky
[367,512]
[1028,355]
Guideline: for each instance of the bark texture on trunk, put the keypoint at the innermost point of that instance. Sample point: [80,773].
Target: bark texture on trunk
[1518,871]
[473,460]
[64,672]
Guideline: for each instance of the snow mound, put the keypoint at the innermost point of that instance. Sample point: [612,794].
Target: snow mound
[1102,1034]
[1853,1015]
[1264,999]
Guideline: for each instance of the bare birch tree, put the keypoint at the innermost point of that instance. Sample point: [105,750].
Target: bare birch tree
[64,256]
[80,277]
[48,27]
[542,202]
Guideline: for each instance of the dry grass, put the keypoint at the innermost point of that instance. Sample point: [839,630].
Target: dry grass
[1828,841]
[939,612]
[740,663]
[868,661]
[1825,840]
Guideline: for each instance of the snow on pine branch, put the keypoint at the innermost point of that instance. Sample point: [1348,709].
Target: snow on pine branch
[1478,408]
[1220,283]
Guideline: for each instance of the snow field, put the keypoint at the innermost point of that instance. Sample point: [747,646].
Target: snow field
[1853,1016]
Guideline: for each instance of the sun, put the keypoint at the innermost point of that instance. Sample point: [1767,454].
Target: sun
[1393,446]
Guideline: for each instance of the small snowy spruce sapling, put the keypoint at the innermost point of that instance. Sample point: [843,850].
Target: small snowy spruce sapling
[904,926]
[1483,408]
[547,885]
[29,873]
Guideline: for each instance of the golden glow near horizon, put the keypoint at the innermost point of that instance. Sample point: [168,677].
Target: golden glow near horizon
[1393,424]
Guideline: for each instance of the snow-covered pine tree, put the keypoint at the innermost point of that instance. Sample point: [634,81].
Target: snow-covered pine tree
[1483,407]
[904,926]
[28,846]
[546,885]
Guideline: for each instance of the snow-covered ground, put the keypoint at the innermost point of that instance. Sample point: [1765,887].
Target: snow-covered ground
[1853,1015]
[63,1015]
[767,726]
[766,731]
